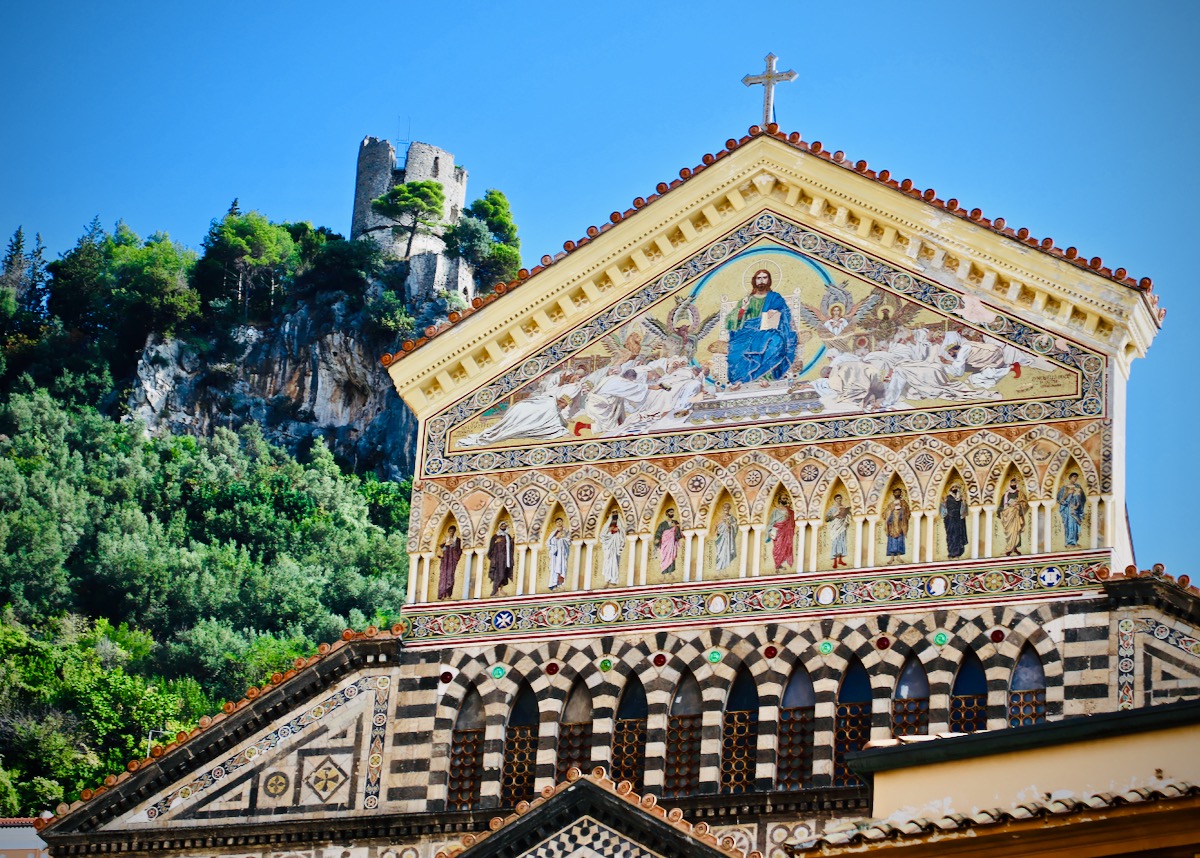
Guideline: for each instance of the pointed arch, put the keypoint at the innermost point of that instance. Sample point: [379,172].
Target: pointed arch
[629,735]
[910,701]
[968,696]
[546,487]
[797,708]
[776,474]
[611,491]
[575,731]
[835,513]
[951,499]
[466,754]
[684,730]
[1071,524]
[1027,689]
[852,720]
[448,506]
[739,734]
[895,469]
[718,481]
[827,468]
[520,748]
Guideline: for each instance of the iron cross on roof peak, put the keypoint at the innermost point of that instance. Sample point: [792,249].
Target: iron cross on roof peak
[768,79]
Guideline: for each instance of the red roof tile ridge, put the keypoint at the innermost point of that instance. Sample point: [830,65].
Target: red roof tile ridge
[229,708]
[884,177]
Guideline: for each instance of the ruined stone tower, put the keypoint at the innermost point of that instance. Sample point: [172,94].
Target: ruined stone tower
[430,270]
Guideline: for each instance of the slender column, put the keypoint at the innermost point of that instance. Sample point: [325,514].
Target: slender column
[480,573]
[859,521]
[1048,530]
[588,565]
[801,543]
[576,561]
[698,572]
[744,554]
[872,523]
[915,530]
[631,542]
[1094,504]
[425,576]
[646,540]
[468,572]
[989,528]
[521,551]
[1035,519]
[687,555]
[1110,521]
[756,561]
[931,535]
[975,510]
[813,542]
[414,573]
[531,571]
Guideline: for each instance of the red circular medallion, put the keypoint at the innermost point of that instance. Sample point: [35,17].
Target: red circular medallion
[997,636]
[883,642]
[771,652]
[552,668]
[660,660]
[446,677]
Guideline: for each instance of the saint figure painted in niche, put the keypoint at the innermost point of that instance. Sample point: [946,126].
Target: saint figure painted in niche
[1013,511]
[559,546]
[1071,499]
[838,519]
[762,341]
[666,541]
[449,552]
[612,542]
[781,533]
[500,558]
[954,520]
[727,534]
[896,526]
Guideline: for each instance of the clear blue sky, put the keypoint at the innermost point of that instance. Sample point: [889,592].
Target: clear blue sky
[1077,120]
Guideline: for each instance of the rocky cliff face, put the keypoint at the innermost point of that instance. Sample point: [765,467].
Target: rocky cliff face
[316,372]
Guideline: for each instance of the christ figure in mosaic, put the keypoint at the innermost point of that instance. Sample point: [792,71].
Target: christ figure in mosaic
[666,541]
[762,341]
[781,533]
[727,534]
[838,519]
[895,526]
[1071,500]
[500,558]
[449,552]
[559,546]
[954,519]
[1013,511]
[612,542]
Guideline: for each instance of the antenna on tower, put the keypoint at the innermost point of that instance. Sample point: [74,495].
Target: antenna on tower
[404,141]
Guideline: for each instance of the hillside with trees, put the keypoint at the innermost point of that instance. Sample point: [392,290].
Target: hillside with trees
[146,578]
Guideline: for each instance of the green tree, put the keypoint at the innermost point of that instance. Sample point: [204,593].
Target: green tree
[78,289]
[414,206]
[14,268]
[494,210]
[246,264]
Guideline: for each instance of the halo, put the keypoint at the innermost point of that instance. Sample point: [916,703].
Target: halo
[756,264]
[839,305]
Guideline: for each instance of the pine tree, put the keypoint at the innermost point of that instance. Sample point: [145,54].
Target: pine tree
[37,295]
[14,267]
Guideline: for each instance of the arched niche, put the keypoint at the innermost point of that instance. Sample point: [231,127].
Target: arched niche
[1012,534]
[723,540]
[1071,519]
[1027,689]
[895,518]
[495,583]
[666,549]
[739,734]
[447,573]
[910,700]
[520,748]
[466,754]
[852,720]
[968,696]
[682,772]
[629,735]
[779,536]
[952,529]
[575,731]
[609,557]
[555,526]
[836,533]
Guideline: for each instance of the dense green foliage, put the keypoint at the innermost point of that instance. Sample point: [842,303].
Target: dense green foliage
[486,237]
[227,556]
[416,207]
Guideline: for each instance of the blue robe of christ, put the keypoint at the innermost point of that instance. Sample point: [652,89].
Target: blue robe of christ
[755,353]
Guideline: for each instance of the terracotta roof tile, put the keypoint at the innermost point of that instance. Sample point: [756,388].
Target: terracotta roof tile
[884,177]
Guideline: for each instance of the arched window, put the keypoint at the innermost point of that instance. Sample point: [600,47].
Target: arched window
[575,731]
[1027,690]
[629,736]
[466,755]
[682,775]
[520,749]
[852,721]
[794,767]
[910,704]
[739,735]
[968,698]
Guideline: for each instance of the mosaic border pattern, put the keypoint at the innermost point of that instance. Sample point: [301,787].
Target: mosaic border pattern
[754,600]
[1160,631]
[1090,402]
[378,683]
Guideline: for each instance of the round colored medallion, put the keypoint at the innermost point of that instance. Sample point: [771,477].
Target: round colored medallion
[609,611]
[770,651]
[997,636]
[883,642]
[606,664]
[660,660]
[714,656]
[498,672]
[941,638]
[825,647]
[446,677]
[552,668]
[716,603]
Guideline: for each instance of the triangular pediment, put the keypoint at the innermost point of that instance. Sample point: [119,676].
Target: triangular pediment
[935,243]
[771,334]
